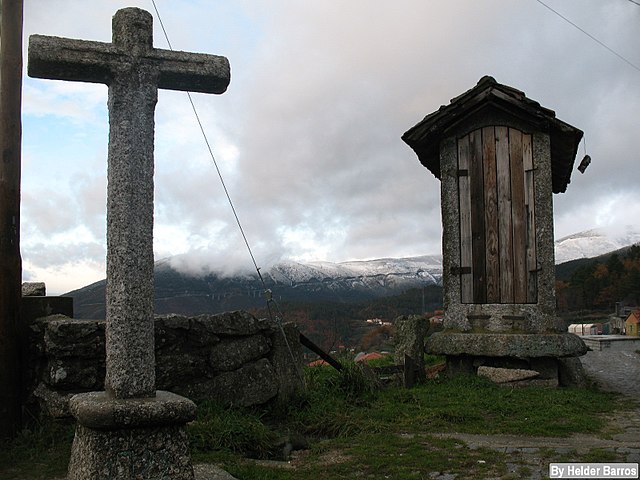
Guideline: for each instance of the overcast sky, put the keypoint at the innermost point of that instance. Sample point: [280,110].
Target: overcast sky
[307,135]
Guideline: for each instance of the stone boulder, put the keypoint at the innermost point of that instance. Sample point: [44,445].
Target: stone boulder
[571,373]
[409,339]
[506,375]
[34,289]
[252,384]
[232,354]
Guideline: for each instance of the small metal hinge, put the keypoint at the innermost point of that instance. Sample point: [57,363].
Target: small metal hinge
[460,270]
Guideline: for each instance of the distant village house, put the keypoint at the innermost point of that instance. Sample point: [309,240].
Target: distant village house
[631,324]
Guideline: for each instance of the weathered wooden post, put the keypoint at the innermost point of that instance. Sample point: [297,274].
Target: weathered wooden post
[130,431]
[499,156]
[10,260]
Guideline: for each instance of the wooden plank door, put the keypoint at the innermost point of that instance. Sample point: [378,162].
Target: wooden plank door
[496,186]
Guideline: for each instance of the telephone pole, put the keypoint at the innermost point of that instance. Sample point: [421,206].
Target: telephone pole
[11,12]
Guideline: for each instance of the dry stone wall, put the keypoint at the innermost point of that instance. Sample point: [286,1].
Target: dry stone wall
[233,358]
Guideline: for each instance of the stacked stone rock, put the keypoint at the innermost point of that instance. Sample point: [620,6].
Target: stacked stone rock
[230,358]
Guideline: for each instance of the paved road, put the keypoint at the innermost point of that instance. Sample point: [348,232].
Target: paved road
[614,371]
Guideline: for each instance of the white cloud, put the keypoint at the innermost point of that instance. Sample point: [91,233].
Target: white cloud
[613,211]
[80,102]
[308,134]
[64,278]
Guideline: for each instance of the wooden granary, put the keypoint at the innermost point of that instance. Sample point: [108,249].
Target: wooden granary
[500,156]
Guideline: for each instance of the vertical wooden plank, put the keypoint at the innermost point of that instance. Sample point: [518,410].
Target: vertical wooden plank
[464,194]
[491,215]
[519,217]
[505,230]
[476,184]
[529,202]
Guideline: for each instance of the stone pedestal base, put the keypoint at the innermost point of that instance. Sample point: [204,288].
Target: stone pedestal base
[547,354]
[131,439]
[516,345]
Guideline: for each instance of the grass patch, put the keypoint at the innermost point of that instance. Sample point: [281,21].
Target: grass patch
[40,451]
[430,360]
[465,404]
[220,429]
[475,405]
[599,455]
[357,428]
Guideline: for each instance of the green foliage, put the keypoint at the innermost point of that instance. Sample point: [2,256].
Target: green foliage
[218,428]
[430,360]
[40,451]
[598,284]
[333,401]
[355,382]
[385,361]
[330,323]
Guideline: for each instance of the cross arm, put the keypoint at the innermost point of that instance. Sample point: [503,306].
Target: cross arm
[85,61]
[58,58]
[193,72]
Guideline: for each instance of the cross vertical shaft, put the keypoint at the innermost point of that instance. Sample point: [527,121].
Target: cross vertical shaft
[130,335]
[10,260]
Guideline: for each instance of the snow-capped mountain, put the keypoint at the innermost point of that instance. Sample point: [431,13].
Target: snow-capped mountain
[425,269]
[180,290]
[191,293]
[595,242]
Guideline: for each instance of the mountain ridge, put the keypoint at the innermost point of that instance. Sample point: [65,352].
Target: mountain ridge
[185,292]
[594,242]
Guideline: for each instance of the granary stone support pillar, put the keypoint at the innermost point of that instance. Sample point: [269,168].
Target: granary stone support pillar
[500,156]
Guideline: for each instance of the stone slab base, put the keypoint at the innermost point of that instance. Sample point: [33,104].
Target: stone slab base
[550,371]
[526,345]
[553,356]
[131,439]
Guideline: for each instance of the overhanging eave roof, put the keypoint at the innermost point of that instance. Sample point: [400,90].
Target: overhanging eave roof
[424,138]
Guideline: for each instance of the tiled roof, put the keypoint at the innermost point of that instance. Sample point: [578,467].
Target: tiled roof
[424,138]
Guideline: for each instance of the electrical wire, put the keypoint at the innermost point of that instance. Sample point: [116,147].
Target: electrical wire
[267,292]
[589,35]
[213,158]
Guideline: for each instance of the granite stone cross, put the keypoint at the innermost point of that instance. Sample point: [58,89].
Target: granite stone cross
[133,70]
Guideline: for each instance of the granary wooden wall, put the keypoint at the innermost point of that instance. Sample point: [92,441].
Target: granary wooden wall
[496,188]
